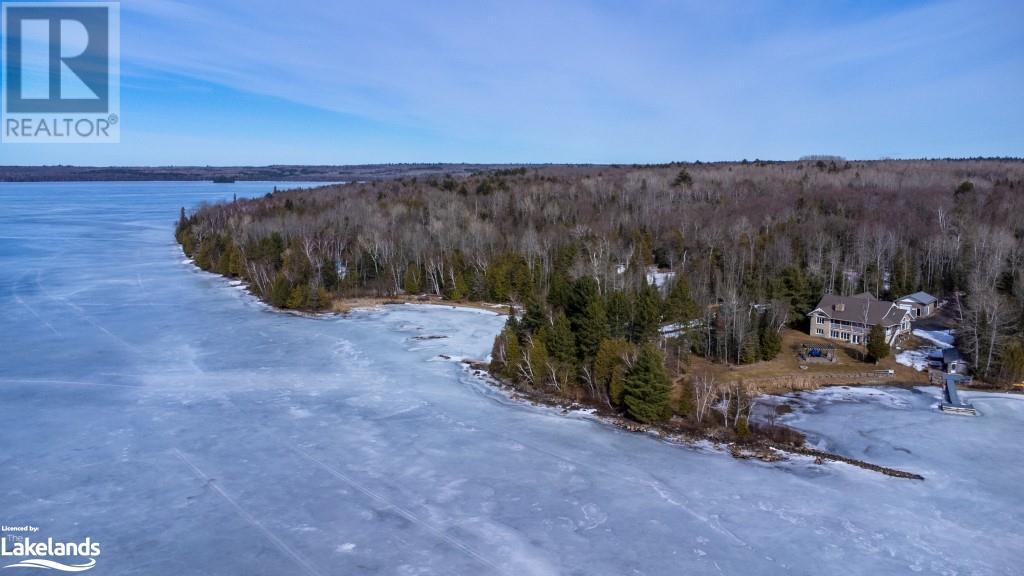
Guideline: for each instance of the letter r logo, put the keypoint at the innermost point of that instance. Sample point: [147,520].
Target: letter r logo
[57,58]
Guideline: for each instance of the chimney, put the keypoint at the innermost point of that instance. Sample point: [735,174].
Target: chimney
[840,307]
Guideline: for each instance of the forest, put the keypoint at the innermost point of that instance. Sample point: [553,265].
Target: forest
[619,274]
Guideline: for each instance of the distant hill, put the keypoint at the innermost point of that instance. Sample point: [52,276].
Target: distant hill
[236,173]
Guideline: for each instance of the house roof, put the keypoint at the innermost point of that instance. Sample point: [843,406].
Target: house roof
[921,298]
[854,308]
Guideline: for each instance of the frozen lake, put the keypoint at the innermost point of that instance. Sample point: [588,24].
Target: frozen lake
[190,431]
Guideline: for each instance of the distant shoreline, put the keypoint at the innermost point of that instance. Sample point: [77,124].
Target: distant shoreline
[350,172]
[229,174]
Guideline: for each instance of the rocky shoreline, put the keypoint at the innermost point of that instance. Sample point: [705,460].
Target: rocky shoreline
[760,449]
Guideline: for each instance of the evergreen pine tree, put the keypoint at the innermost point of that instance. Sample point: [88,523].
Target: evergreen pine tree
[685,404]
[560,341]
[497,282]
[280,290]
[506,364]
[182,224]
[742,428]
[769,339]
[587,317]
[236,262]
[592,330]
[534,316]
[900,282]
[878,348]
[750,352]
[647,387]
[795,287]
[411,280]
[646,315]
[584,290]
[297,297]
[610,368]
[537,359]
[679,305]
[683,178]
[560,283]
[619,313]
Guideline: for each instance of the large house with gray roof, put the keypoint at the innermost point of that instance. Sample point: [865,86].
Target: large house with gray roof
[850,318]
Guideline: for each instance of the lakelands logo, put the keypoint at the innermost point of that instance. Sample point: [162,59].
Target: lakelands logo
[49,554]
[61,70]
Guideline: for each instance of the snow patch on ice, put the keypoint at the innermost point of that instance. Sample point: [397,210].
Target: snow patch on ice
[468,309]
[916,359]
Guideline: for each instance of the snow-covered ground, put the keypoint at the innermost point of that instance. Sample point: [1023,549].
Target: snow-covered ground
[190,430]
[917,358]
[659,278]
[940,338]
[654,276]
[920,358]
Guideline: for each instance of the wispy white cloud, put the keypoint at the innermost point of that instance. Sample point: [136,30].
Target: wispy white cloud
[609,80]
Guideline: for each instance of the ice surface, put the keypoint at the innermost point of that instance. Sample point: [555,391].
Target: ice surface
[191,431]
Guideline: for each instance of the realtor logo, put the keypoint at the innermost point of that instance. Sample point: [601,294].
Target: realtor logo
[61,72]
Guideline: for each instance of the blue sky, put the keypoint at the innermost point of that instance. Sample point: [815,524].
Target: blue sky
[257,82]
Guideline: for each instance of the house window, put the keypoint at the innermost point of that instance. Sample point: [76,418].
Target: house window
[835,333]
[820,319]
[820,331]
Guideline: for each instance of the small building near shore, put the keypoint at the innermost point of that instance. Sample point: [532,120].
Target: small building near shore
[920,304]
[953,362]
[850,318]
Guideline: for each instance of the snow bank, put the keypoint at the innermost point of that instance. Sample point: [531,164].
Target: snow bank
[654,276]
[916,359]
[920,358]
[941,338]
[469,309]
[658,278]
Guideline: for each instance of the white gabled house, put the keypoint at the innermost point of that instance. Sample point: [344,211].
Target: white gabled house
[850,318]
[920,304]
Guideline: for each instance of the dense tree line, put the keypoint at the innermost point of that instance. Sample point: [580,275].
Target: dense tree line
[744,248]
